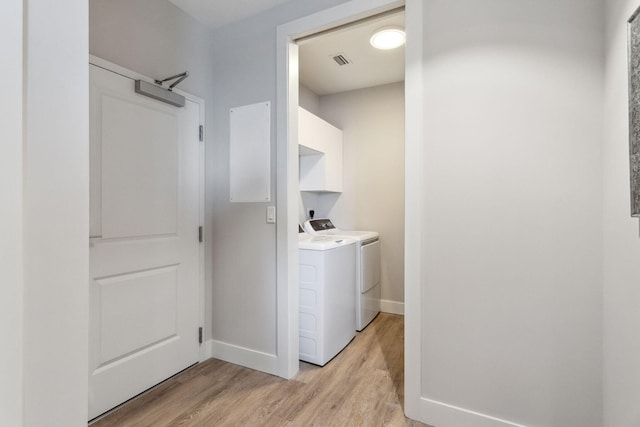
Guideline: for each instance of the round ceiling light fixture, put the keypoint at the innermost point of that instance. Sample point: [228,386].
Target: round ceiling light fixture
[388,37]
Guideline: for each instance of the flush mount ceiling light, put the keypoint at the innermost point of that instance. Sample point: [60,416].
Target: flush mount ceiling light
[388,37]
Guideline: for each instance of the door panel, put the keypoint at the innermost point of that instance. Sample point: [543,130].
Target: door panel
[138,141]
[124,306]
[144,256]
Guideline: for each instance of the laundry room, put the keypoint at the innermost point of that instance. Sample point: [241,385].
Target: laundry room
[348,85]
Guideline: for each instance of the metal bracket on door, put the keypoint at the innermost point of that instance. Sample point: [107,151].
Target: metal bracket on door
[159,93]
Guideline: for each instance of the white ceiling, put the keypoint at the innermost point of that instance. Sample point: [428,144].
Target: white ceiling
[216,13]
[318,71]
[369,66]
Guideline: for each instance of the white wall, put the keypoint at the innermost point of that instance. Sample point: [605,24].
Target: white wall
[154,38]
[372,121]
[309,100]
[161,40]
[511,301]
[244,256]
[621,236]
[11,257]
[56,213]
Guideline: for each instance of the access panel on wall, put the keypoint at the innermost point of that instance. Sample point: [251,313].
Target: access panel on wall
[250,153]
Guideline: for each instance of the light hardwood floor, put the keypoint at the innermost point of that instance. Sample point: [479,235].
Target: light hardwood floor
[361,386]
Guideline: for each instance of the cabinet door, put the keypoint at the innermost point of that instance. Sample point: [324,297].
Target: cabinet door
[320,154]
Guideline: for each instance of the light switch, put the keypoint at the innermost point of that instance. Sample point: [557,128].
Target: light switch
[271,214]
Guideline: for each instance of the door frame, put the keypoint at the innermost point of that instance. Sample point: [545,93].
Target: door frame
[287,98]
[110,66]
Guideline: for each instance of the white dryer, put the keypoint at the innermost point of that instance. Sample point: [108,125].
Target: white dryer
[367,282]
[326,313]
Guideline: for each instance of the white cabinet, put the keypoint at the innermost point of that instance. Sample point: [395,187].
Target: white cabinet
[320,147]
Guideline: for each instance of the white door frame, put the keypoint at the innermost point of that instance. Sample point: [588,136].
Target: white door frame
[201,179]
[413,211]
[287,181]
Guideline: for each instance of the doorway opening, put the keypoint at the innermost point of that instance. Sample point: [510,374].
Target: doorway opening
[359,89]
[367,192]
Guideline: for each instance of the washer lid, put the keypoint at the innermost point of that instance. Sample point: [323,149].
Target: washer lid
[322,243]
[351,234]
[324,227]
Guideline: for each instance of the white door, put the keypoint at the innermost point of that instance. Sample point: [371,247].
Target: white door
[144,256]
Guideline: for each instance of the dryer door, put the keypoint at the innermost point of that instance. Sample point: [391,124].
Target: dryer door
[369,265]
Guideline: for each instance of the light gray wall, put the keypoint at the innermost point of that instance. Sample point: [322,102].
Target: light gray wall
[621,241]
[244,261]
[372,121]
[309,100]
[55,195]
[11,224]
[155,38]
[512,297]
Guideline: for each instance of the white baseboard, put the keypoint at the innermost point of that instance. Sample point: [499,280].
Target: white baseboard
[444,415]
[246,357]
[392,307]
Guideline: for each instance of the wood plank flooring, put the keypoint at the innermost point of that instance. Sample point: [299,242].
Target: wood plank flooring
[361,386]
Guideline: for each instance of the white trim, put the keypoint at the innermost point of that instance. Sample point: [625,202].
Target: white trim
[414,107]
[201,274]
[287,160]
[253,359]
[393,307]
[445,415]
[286,188]
[110,66]
[206,350]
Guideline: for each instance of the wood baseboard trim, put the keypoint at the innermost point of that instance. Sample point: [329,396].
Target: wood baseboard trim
[393,307]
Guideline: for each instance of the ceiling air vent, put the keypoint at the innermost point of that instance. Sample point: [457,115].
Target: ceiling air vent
[341,59]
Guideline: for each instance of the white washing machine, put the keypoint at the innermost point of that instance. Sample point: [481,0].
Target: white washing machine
[367,282]
[326,314]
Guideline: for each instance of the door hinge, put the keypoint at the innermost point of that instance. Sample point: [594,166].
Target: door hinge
[201,133]
[200,236]
[200,335]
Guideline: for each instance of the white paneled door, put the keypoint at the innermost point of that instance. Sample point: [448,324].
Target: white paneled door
[145,263]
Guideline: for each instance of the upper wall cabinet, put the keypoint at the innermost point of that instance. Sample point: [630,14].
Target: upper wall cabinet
[320,146]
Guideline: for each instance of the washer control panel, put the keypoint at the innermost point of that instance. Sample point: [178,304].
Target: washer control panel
[321,224]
